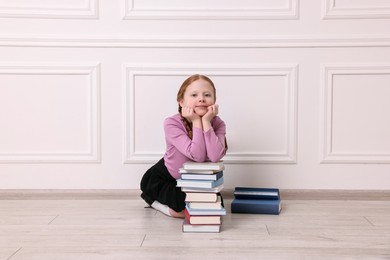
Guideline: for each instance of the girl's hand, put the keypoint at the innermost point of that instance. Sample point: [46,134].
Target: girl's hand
[212,111]
[189,114]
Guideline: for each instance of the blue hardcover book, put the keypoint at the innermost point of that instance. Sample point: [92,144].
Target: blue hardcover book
[252,206]
[195,176]
[256,193]
[199,183]
[205,212]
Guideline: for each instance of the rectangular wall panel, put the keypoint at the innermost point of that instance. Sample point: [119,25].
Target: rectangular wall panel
[69,9]
[357,9]
[212,10]
[49,113]
[356,113]
[262,137]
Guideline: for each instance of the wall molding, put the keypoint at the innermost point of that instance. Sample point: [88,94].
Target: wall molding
[330,10]
[92,72]
[199,41]
[130,71]
[45,11]
[328,71]
[289,10]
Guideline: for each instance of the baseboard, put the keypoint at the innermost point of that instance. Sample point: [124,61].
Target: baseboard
[71,194]
[121,194]
[335,194]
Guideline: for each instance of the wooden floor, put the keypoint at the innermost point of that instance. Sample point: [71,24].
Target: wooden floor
[121,228]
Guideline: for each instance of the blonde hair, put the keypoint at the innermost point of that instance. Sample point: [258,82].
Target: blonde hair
[180,96]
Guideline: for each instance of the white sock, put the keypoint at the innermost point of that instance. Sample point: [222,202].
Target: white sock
[161,207]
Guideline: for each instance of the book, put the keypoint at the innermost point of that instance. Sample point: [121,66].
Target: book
[205,212]
[189,228]
[206,205]
[199,183]
[203,190]
[202,220]
[182,170]
[254,206]
[195,176]
[191,165]
[256,193]
[201,197]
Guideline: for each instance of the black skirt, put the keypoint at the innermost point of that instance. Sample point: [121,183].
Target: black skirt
[158,184]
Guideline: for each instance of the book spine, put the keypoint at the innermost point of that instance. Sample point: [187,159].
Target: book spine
[187,215]
[194,176]
[256,193]
[255,197]
[205,212]
[208,197]
[199,183]
[253,208]
[203,166]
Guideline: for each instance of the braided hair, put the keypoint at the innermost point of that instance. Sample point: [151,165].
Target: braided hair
[180,96]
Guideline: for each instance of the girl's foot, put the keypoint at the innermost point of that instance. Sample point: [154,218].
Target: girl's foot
[176,214]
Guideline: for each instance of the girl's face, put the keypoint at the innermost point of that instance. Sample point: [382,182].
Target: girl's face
[199,95]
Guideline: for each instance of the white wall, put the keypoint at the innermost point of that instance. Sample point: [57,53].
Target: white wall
[303,87]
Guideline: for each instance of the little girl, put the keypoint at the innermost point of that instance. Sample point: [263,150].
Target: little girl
[196,133]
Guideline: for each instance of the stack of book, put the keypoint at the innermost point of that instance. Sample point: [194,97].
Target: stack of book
[202,183]
[256,201]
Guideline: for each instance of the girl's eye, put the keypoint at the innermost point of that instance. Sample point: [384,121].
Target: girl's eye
[193,95]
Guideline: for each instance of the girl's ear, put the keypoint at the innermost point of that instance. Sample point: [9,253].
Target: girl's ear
[181,102]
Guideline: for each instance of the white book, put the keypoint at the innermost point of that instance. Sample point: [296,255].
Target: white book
[182,170]
[201,197]
[210,190]
[191,165]
[187,227]
[206,205]
[205,212]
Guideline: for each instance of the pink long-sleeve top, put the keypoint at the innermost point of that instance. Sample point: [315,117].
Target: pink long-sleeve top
[204,146]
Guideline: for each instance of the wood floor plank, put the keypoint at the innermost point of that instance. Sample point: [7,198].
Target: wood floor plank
[26,219]
[367,232]
[55,236]
[125,253]
[305,221]
[227,240]
[73,240]
[380,221]
[337,207]
[47,207]
[7,252]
